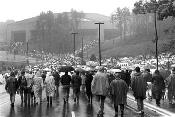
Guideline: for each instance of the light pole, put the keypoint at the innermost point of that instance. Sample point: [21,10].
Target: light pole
[156,35]
[82,51]
[99,23]
[74,33]
[27,44]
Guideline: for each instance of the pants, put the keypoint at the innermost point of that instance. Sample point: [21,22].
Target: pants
[140,104]
[101,100]
[12,98]
[23,94]
[66,90]
[76,92]
[57,90]
[121,109]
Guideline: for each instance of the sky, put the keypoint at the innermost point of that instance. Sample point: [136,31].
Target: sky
[22,9]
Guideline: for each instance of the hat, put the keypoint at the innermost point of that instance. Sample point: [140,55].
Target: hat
[173,69]
[101,68]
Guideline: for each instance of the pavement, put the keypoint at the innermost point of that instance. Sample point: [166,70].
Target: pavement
[58,109]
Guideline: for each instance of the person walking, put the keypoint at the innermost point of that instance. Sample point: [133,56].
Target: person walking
[83,86]
[11,87]
[76,83]
[139,87]
[148,78]
[158,85]
[38,86]
[170,81]
[65,81]
[50,87]
[119,90]
[22,82]
[29,79]
[100,87]
[88,82]
[57,81]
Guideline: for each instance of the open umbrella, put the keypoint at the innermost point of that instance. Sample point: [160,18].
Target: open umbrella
[80,70]
[66,69]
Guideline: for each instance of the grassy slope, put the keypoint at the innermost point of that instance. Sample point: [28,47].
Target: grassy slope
[131,46]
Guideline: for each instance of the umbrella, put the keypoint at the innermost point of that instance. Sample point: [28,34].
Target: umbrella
[66,69]
[47,69]
[80,70]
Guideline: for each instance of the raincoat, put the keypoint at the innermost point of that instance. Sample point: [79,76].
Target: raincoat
[171,85]
[158,85]
[138,85]
[38,85]
[11,85]
[119,90]
[50,85]
[100,84]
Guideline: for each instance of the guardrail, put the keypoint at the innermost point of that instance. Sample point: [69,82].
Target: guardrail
[163,112]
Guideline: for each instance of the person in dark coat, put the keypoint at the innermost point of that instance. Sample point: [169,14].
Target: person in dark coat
[65,81]
[139,87]
[22,82]
[158,85]
[128,78]
[76,83]
[119,90]
[57,81]
[11,87]
[88,81]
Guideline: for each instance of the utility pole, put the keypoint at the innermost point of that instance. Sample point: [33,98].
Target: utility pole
[74,33]
[156,35]
[99,23]
[82,52]
[27,52]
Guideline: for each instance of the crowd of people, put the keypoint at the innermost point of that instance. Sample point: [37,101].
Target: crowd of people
[101,84]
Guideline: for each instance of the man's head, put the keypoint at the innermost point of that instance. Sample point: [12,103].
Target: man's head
[137,69]
[101,69]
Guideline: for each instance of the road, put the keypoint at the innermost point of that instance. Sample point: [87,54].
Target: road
[58,108]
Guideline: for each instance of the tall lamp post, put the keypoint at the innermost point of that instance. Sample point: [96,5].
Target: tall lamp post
[74,33]
[27,43]
[82,51]
[156,35]
[99,23]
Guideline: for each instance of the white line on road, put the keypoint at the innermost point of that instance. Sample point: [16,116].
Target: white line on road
[73,114]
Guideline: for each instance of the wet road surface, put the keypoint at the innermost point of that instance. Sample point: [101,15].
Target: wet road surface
[58,108]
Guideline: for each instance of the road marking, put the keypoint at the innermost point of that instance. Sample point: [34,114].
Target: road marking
[73,114]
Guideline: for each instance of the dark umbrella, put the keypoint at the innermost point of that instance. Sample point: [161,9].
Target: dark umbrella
[66,69]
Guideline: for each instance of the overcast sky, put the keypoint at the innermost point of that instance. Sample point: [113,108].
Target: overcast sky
[23,9]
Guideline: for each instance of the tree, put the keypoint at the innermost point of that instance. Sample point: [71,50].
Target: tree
[120,17]
[162,8]
[93,57]
[76,18]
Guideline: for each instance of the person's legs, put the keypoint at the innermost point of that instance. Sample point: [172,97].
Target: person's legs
[122,109]
[25,97]
[21,94]
[102,103]
[50,100]
[139,104]
[116,110]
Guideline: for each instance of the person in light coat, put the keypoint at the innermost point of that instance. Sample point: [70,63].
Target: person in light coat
[38,86]
[50,87]
[100,87]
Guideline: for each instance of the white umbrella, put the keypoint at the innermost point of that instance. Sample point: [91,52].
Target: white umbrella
[47,69]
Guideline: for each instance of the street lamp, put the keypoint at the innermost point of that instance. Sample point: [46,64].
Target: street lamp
[99,23]
[74,33]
